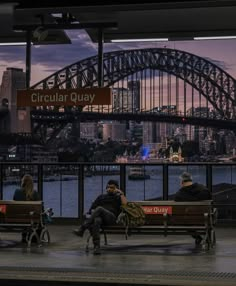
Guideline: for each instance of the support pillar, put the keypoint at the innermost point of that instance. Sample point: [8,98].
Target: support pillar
[28,58]
[100,57]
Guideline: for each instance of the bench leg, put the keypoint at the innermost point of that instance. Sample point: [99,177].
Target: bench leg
[105,238]
[30,236]
[213,238]
[44,236]
[87,244]
[206,245]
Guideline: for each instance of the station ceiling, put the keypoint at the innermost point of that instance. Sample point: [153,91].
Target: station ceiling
[175,20]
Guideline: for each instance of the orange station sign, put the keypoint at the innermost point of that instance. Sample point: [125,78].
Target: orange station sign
[157,209]
[64,97]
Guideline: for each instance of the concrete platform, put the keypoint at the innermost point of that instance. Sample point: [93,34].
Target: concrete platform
[143,260]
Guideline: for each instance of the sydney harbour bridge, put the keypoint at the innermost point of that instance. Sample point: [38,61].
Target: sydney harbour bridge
[157,84]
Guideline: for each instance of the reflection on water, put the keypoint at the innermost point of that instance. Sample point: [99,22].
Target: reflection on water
[62,195]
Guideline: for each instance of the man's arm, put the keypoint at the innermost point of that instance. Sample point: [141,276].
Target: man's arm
[205,195]
[123,198]
[178,197]
[94,204]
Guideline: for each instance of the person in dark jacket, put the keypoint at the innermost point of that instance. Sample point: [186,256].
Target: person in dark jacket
[103,211]
[190,191]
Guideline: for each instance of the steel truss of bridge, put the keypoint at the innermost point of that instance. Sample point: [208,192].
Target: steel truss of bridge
[158,84]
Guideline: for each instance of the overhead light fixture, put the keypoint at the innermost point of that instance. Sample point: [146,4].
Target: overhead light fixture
[14,44]
[215,38]
[139,40]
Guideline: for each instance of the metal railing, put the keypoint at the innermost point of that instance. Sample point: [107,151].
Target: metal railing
[70,188]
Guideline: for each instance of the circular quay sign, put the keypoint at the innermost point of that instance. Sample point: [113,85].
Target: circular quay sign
[64,97]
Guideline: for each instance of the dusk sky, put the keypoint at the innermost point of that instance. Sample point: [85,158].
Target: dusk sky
[48,59]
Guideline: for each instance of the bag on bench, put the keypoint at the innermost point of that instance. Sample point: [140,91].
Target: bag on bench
[131,215]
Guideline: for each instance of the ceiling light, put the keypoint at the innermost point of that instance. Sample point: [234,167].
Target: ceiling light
[14,44]
[215,38]
[139,40]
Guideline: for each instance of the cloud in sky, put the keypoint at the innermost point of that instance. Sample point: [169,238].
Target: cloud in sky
[47,59]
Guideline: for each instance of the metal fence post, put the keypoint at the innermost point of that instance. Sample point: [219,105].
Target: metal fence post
[123,178]
[40,181]
[165,182]
[1,182]
[81,192]
[209,177]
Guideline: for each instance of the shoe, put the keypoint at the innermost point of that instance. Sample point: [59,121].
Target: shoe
[97,250]
[79,232]
[198,240]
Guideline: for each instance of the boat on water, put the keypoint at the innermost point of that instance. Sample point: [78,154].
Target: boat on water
[138,173]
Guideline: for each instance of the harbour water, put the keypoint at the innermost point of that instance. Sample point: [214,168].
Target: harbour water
[62,193]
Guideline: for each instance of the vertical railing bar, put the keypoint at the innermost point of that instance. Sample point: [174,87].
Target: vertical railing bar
[60,195]
[81,192]
[209,177]
[40,181]
[144,183]
[1,181]
[123,178]
[165,182]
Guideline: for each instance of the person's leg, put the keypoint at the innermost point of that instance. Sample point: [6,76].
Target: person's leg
[95,233]
[107,217]
[100,217]
[85,225]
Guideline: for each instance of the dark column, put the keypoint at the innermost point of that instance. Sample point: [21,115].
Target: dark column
[100,57]
[1,182]
[123,178]
[81,192]
[209,177]
[165,182]
[28,58]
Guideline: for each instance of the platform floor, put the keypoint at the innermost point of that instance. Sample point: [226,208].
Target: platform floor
[143,260]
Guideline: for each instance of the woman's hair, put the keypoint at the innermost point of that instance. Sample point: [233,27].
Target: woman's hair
[27,186]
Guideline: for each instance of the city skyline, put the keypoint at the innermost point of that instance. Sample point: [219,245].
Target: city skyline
[45,61]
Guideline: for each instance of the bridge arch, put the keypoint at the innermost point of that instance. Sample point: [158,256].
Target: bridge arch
[211,81]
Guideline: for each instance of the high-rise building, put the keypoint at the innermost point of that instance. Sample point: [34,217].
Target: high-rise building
[127,99]
[121,100]
[114,130]
[88,130]
[149,132]
[134,95]
[198,133]
[19,119]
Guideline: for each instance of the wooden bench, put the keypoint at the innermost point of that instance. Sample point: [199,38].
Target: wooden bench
[24,216]
[174,218]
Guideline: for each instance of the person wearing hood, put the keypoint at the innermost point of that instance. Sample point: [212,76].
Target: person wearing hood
[190,191]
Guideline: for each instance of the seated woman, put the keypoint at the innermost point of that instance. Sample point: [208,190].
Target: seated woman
[26,192]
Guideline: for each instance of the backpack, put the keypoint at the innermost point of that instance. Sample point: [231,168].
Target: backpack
[131,214]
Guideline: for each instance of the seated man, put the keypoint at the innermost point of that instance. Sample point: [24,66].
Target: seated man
[104,211]
[190,191]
